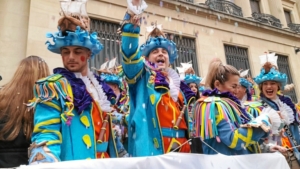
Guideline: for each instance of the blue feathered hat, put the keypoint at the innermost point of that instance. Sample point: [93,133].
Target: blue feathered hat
[244,82]
[158,40]
[78,38]
[201,89]
[73,29]
[269,71]
[111,78]
[192,79]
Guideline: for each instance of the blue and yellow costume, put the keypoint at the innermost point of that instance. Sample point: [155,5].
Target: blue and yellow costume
[218,117]
[285,106]
[69,123]
[252,105]
[154,113]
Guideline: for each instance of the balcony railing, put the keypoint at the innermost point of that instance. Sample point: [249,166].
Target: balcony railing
[294,27]
[267,19]
[225,6]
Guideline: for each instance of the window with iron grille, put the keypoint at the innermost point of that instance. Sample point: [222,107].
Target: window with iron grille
[107,33]
[288,18]
[255,6]
[237,57]
[283,66]
[186,51]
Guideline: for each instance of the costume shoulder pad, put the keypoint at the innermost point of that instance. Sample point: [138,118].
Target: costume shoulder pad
[53,86]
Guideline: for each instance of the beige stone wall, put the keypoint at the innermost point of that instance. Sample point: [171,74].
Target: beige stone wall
[215,29]
[13,35]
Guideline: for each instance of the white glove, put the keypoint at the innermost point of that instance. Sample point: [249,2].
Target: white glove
[275,119]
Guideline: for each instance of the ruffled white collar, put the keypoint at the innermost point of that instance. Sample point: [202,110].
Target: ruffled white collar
[174,83]
[95,90]
[286,112]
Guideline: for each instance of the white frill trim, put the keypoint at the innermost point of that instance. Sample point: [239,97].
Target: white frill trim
[95,90]
[174,83]
[286,112]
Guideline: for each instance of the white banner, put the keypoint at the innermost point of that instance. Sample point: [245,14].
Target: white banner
[177,160]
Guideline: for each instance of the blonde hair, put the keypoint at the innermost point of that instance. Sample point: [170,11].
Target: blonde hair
[220,72]
[15,93]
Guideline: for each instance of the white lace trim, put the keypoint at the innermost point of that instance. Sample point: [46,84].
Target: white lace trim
[174,83]
[95,90]
[286,112]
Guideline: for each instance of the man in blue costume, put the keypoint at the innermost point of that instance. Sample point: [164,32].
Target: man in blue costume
[158,119]
[72,119]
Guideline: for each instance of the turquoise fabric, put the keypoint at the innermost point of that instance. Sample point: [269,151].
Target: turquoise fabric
[144,131]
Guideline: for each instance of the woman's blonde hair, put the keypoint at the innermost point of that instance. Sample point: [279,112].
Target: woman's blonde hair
[17,92]
[220,72]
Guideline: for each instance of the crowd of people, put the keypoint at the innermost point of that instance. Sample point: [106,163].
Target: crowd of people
[143,107]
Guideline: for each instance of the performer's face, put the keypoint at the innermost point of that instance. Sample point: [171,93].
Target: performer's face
[241,91]
[270,89]
[160,57]
[75,58]
[193,87]
[230,85]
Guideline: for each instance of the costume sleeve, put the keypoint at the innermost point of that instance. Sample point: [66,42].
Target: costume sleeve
[53,104]
[133,63]
[238,138]
[47,125]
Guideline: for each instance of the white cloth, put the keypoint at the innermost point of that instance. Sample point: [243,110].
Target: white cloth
[174,83]
[95,90]
[177,161]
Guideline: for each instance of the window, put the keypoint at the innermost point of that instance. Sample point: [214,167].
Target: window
[237,57]
[107,32]
[186,51]
[288,18]
[283,66]
[255,6]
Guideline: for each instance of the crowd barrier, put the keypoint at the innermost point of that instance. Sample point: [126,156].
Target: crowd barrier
[176,161]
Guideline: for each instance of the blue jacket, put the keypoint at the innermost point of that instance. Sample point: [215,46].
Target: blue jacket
[145,135]
[63,118]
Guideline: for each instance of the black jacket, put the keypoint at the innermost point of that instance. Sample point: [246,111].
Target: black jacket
[14,153]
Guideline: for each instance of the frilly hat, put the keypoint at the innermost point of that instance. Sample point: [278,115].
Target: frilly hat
[111,78]
[243,81]
[201,89]
[73,29]
[269,71]
[192,79]
[157,39]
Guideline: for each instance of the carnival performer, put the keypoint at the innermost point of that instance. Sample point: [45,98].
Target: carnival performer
[270,81]
[219,115]
[245,96]
[72,118]
[193,82]
[16,123]
[158,119]
[121,107]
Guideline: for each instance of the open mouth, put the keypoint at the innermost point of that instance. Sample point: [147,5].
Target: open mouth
[160,61]
[269,91]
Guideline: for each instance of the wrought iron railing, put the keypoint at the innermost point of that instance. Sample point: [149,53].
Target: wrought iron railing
[225,6]
[237,57]
[294,27]
[267,19]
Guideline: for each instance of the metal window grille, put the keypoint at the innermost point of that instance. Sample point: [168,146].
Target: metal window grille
[107,32]
[186,51]
[237,57]
[255,6]
[283,66]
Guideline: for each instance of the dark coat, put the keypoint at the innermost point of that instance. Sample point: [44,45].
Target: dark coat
[14,153]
